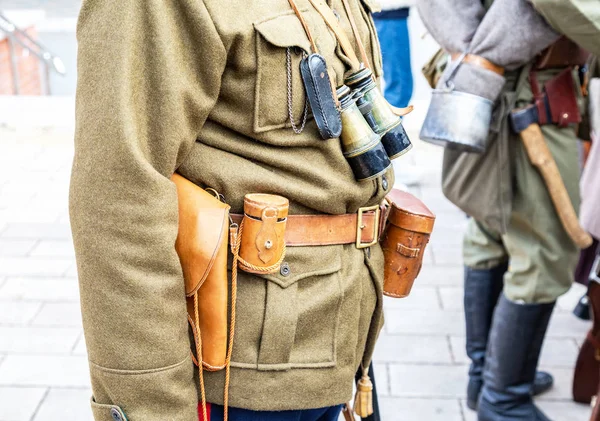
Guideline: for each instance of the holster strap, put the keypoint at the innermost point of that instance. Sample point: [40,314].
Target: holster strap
[325,230]
[480,62]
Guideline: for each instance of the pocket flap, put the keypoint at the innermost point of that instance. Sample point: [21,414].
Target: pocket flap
[306,262]
[293,35]
[203,224]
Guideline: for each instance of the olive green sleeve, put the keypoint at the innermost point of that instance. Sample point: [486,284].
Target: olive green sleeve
[577,19]
[149,73]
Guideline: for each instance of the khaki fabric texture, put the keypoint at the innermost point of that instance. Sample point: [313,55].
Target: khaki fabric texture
[577,19]
[199,87]
[541,256]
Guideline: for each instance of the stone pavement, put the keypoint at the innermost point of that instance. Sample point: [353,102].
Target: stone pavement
[53,8]
[420,361]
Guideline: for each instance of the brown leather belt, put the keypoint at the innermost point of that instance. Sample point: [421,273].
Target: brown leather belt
[361,228]
[480,62]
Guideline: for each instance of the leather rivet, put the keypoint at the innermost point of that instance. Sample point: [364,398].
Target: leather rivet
[268,244]
[285,269]
[116,415]
[384,183]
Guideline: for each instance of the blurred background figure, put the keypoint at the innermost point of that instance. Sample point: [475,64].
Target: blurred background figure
[392,29]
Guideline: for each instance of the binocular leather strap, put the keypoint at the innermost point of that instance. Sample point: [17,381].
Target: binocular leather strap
[305,26]
[324,230]
[331,21]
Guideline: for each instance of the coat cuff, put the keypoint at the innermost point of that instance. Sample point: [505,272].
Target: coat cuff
[166,393]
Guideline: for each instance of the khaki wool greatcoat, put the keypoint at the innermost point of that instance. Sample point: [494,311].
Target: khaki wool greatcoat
[199,87]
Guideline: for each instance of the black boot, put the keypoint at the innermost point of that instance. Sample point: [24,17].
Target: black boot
[482,289]
[514,348]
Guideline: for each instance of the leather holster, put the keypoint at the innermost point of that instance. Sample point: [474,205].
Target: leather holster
[202,248]
[409,226]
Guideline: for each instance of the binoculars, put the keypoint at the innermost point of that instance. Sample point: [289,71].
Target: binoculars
[372,135]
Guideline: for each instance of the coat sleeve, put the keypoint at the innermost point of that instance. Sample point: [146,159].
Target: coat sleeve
[149,73]
[577,19]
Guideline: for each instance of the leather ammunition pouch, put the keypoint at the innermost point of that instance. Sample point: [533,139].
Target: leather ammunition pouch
[262,245]
[409,226]
[557,103]
[202,248]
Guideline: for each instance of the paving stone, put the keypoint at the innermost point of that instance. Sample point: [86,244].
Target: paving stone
[66,404]
[80,348]
[408,409]
[43,370]
[59,314]
[13,248]
[556,352]
[452,297]
[441,275]
[428,381]
[17,313]
[20,403]
[27,213]
[567,325]
[469,414]
[563,378]
[25,266]
[46,289]
[568,301]
[412,349]
[425,322]
[382,378]
[51,248]
[565,411]
[420,297]
[37,340]
[37,231]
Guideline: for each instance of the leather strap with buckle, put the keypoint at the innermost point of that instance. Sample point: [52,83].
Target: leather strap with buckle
[361,228]
[479,61]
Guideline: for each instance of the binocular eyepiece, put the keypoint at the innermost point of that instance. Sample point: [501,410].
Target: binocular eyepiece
[372,135]
[378,113]
[361,146]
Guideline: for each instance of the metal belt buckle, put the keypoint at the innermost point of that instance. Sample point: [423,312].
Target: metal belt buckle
[360,226]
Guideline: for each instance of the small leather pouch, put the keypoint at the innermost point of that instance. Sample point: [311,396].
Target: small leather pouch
[202,248]
[320,96]
[263,233]
[409,226]
[561,93]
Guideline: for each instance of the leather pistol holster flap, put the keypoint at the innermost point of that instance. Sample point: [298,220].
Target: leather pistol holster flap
[202,248]
[406,234]
[562,99]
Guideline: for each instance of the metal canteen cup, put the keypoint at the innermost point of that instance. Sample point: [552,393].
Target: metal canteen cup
[457,120]
[378,113]
[361,146]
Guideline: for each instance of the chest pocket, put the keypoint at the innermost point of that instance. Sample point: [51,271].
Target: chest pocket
[273,37]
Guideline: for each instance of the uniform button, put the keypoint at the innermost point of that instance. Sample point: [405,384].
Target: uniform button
[384,182]
[116,415]
[285,269]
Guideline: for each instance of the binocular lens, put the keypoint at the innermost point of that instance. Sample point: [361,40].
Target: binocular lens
[378,113]
[361,145]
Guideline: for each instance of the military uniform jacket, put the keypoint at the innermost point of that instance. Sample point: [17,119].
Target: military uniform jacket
[199,87]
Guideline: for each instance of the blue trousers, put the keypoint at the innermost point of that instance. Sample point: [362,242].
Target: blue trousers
[331,413]
[392,29]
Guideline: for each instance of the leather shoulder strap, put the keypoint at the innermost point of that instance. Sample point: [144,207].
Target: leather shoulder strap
[361,46]
[305,26]
[331,21]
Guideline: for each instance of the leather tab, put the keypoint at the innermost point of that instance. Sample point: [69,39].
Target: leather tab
[479,61]
[408,251]
[267,236]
